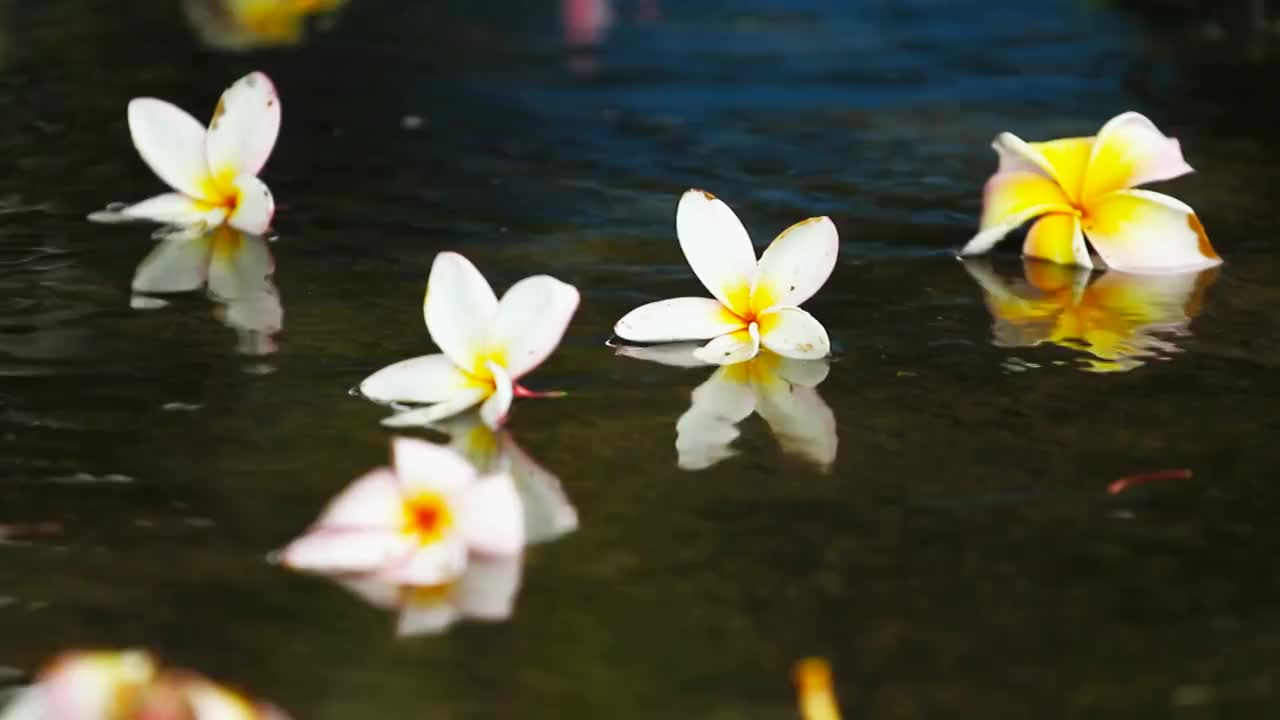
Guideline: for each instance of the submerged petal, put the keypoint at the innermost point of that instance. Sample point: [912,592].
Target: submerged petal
[797,264]
[717,247]
[459,309]
[425,379]
[168,209]
[1131,151]
[171,143]
[1144,231]
[494,411]
[687,318]
[244,127]
[794,333]
[734,347]
[490,516]
[681,354]
[531,320]
[1057,237]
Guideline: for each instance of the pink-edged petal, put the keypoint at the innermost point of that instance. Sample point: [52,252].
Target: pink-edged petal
[1058,238]
[494,411]
[803,424]
[459,309]
[794,333]
[424,379]
[488,589]
[168,209]
[171,143]
[371,502]
[425,416]
[328,552]
[686,318]
[531,320]
[734,347]
[254,206]
[424,466]
[1143,231]
[1019,156]
[797,264]
[244,127]
[1130,151]
[435,563]
[490,516]
[679,354]
[176,264]
[718,249]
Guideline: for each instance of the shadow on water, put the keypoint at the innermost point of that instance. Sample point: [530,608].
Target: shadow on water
[955,554]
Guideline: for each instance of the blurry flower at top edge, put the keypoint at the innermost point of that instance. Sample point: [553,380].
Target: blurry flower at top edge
[585,22]
[128,685]
[416,523]
[237,269]
[1081,189]
[244,24]
[756,302]
[814,694]
[486,345]
[1116,317]
[781,390]
[214,171]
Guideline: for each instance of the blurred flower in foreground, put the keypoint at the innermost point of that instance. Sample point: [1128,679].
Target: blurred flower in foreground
[755,302]
[237,269]
[1121,319]
[585,22]
[243,24]
[128,685]
[486,345]
[214,172]
[780,389]
[415,524]
[1080,188]
[813,690]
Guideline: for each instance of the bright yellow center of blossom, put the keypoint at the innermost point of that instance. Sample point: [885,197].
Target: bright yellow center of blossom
[427,517]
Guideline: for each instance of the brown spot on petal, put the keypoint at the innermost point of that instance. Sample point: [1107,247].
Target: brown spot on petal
[706,194]
[218,112]
[1206,249]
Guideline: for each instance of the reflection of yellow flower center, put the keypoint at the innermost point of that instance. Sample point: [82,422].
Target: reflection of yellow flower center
[757,371]
[428,517]
[426,595]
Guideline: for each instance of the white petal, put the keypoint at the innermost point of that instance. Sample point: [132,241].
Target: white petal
[90,684]
[425,379]
[418,619]
[459,309]
[436,563]
[494,411]
[672,354]
[421,465]
[424,416]
[686,318]
[733,348]
[244,127]
[240,265]
[548,514]
[171,142]
[805,373]
[488,590]
[1144,231]
[371,502]
[803,424]
[531,320]
[347,551]
[25,704]
[717,247]
[490,516]
[794,333]
[797,264]
[168,209]
[254,205]
[378,593]
[705,431]
[175,265]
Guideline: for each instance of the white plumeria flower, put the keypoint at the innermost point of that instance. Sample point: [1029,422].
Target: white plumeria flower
[214,172]
[415,524]
[756,303]
[487,345]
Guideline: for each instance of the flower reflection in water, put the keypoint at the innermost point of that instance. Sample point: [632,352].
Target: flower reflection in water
[234,266]
[781,390]
[1122,320]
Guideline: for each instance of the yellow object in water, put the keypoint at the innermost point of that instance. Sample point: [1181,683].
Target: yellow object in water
[241,24]
[813,688]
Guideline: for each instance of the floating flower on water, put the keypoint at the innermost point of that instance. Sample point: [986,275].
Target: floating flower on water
[755,302]
[781,390]
[415,524]
[128,685]
[214,172]
[1121,319]
[487,345]
[237,269]
[242,24]
[816,699]
[1081,188]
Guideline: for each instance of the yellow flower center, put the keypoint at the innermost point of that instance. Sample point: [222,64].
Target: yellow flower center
[427,516]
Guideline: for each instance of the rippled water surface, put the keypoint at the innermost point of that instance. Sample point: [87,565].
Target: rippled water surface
[934,516]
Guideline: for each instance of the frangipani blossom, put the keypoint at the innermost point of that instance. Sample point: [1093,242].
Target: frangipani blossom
[756,302]
[213,172]
[128,685]
[237,269]
[781,390]
[414,524]
[487,345]
[1121,319]
[1082,189]
[243,24]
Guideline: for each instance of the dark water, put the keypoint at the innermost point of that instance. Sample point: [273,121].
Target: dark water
[960,558]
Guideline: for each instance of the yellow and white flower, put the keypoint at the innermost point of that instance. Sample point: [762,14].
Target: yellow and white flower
[214,172]
[756,302]
[243,24]
[1081,189]
[486,345]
